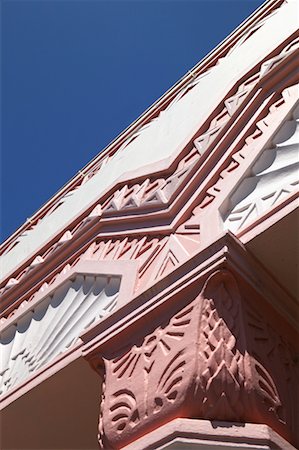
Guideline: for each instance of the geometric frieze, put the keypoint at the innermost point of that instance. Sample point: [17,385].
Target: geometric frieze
[41,330]
[152,194]
[178,327]
[161,141]
[273,177]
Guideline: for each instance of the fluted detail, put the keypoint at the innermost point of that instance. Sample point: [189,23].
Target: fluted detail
[273,177]
[53,325]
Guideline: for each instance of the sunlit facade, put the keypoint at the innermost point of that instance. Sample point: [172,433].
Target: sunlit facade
[153,302]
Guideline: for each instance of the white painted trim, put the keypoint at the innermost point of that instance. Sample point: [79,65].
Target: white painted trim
[41,330]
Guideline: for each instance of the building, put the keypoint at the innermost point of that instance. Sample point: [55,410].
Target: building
[157,292]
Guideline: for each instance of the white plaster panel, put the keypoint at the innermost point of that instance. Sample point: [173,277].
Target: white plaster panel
[273,177]
[160,141]
[53,325]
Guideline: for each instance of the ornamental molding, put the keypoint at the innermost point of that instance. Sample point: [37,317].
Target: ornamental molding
[149,284]
[199,358]
[240,35]
[175,194]
[42,330]
[227,253]
[132,175]
[275,114]
[273,177]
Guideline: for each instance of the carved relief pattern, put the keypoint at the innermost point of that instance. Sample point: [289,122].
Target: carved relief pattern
[148,377]
[230,105]
[274,176]
[153,194]
[279,391]
[150,193]
[221,350]
[53,325]
[102,402]
[159,374]
[204,363]
[200,143]
[157,256]
[239,157]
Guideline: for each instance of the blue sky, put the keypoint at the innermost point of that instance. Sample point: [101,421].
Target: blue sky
[75,73]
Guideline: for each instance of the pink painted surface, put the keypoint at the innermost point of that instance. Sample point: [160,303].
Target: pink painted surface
[201,329]
[190,192]
[212,356]
[239,36]
[210,434]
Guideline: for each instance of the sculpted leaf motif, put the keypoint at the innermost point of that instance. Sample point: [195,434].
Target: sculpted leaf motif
[267,343]
[123,410]
[221,361]
[163,338]
[139,384]
[267,387]
[170,380]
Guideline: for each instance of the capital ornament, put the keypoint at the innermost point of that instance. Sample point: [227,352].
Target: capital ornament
[194,360]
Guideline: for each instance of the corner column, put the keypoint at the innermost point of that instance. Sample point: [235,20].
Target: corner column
[209,348]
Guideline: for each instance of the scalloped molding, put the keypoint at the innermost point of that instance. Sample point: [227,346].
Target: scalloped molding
[41,330]
[274,176]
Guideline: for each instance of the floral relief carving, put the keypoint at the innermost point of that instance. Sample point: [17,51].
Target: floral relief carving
[200,363]
[271,351]
[192,364]
[148,378]
[221,350]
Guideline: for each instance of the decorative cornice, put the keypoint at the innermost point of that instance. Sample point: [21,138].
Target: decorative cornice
[68,209]
[227,252]
[243,32]
[162,194]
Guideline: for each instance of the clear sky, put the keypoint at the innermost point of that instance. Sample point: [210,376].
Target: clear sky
[75,73]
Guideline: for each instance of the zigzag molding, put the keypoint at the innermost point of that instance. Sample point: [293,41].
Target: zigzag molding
[149,195]
[178,91]
[200,143]
[150,258]
[237,159]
